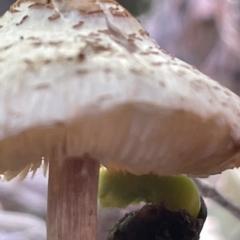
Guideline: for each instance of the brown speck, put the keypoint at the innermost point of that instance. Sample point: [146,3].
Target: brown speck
[36,44]
[47,61]
[1,26]
[157,64]
[78,25]
[134,36]
[54,17]
[42,86]
[81,57]
[82,71]
[14,10]
[181,73]
[153,52]
[149,53]
[162,84]
[29,63]
[21,37]
[224,104]
[34,38]
[92,47]
[122,13]
[92,34]
[55,43]
[143,32]
[131,40]
[98,11]
[6,47]
[101,49]
[216,87]
[37,5]
[144,53]
[136,71]
[23,19]
[49,5]
[107,70]
[89,7]
[104,31]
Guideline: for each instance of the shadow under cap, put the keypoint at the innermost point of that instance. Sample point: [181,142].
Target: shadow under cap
[129,138]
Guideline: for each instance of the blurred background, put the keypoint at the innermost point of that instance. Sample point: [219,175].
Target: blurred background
[204,33]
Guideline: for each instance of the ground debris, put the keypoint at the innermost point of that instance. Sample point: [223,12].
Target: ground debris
[155,222]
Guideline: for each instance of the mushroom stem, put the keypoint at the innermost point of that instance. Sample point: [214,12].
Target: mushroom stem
[72,199]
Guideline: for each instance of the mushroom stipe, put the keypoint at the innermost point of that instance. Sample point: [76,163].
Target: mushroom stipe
[68,200]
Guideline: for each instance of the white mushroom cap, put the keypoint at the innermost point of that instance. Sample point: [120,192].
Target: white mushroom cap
[88,79]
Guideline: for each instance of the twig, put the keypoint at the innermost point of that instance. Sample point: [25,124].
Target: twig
[210,192]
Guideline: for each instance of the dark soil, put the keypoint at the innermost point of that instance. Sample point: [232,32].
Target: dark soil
[155,222]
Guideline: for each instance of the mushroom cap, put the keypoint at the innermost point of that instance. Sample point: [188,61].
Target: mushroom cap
[85,78]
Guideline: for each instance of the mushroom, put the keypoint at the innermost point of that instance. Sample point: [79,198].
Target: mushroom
[82,84]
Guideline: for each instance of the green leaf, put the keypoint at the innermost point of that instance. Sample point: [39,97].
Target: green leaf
[119,189]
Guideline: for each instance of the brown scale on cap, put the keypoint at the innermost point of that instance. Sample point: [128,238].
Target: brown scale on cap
[23,19]
[84,6]
[119,13]
[41,5]
[78,25]
[37,3]
[55,16]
